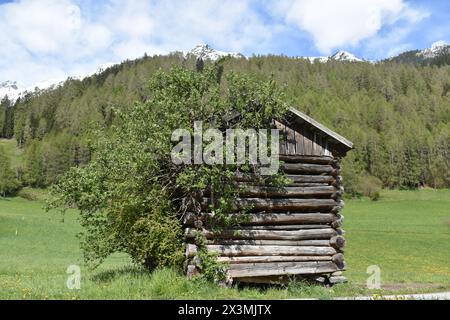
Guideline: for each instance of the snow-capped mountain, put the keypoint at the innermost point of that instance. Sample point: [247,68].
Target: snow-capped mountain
[343,56]
[11,89]
[14,91]
[437,49]
[46,84]
[205,52]
[316,59]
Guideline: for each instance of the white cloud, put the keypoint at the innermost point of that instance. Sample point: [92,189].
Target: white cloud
[43,39]
[334,24]
[65,37]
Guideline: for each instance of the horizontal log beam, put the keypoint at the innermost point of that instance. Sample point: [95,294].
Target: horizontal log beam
[284,204]
[287,192]
[261,259]
[307,159]
[250,250]
[285,227]
[318,243]
[311,178]
[264,234]
[304,168]
[280,268]
[277,204]
[269,218]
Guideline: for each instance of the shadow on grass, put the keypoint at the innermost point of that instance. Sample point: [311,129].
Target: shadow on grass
[126,271]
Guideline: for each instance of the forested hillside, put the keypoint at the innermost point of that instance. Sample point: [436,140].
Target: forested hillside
[396,114]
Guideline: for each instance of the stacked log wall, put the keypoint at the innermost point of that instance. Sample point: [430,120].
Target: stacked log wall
[289,231]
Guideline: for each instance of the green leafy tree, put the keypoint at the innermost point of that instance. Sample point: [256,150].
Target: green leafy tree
[127,195]
[8,181]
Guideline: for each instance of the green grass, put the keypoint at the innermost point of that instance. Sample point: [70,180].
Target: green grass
[406,233]
[14,153]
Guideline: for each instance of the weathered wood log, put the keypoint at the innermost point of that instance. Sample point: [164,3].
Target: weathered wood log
[277,279]
[249,250]
[274,204]
[306,168]
[287,192]
[269,218]
[307,159]
[328,179]
[319,243]
[337,279]
[259,259]
[192,271]
[280,268]
[307,184]
[265,234]
[337,181]
[284,279]
[191,250]
[337,242]
[338,259]
[286,227]
[336,223]
[336,209]
[337,195]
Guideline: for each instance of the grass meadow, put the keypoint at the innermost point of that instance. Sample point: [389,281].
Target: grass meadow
[405,233]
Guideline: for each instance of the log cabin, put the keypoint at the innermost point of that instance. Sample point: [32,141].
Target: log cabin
[291,232]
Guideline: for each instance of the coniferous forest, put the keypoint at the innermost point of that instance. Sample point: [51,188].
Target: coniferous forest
[396,114]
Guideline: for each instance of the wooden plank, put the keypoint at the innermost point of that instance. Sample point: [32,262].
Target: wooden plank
[275,204]
[315,243]
[290,139]
[280,268]
[321,127]
[261,259]
[295,178]
[264,234]
[269,218]
[286,227]
[254,250]
[307,159]
[307,168]
[286,192]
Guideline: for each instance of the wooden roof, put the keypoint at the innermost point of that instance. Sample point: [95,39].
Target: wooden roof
[333,136]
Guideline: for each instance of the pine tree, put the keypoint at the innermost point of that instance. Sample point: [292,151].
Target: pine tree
[8,180]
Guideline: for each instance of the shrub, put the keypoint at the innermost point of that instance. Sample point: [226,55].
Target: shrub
[127,195]
[369,186]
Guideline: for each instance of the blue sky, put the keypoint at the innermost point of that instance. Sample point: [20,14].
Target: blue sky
[42,39]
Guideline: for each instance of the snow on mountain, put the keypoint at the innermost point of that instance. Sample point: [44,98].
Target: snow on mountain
[14,91]
[438,48]
[10,89]
[99,70]
[345,56]
[316,59]
[205,52]
[338,56]
[48,84]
